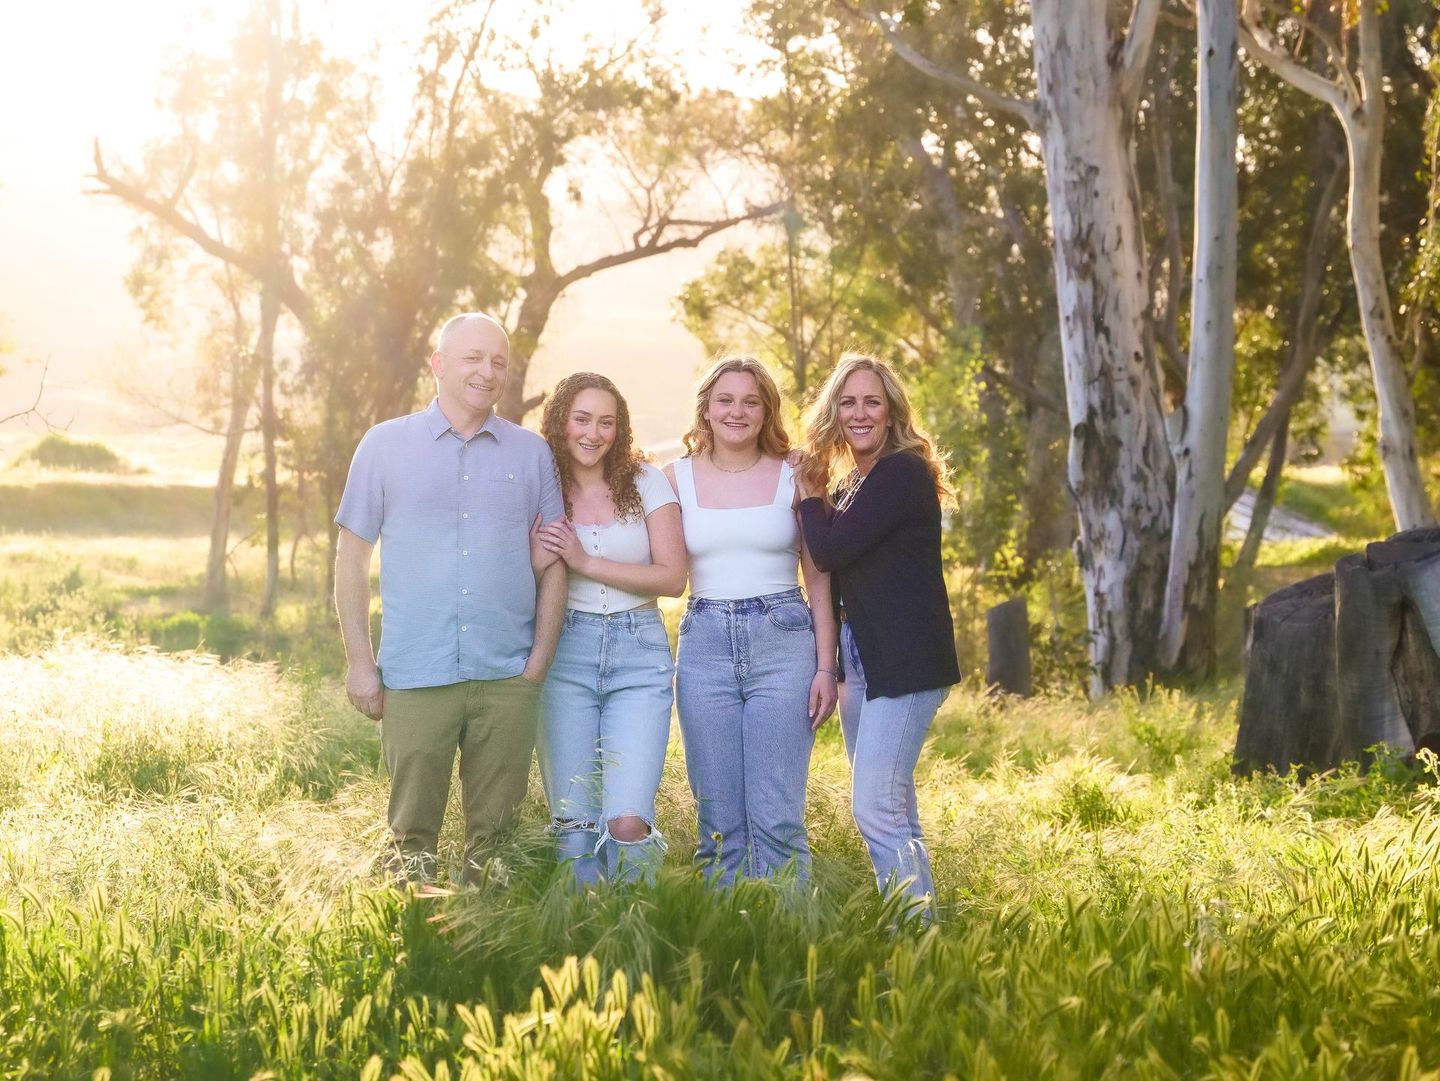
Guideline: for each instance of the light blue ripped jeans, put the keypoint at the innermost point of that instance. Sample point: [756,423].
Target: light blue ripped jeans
[604,726]
[883,739]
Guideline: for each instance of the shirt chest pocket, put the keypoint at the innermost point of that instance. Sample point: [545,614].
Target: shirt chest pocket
[505,498]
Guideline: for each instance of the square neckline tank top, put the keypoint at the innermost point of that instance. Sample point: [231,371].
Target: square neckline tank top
[740,552]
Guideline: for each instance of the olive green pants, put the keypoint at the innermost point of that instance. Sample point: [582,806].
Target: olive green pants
[491,722]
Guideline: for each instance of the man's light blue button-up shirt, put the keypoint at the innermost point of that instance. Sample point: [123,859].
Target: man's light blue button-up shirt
[452,516]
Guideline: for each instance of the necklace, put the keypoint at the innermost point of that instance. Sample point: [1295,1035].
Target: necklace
[722,469]
[850,488]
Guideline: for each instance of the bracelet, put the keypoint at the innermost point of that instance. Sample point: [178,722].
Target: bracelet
[827,671]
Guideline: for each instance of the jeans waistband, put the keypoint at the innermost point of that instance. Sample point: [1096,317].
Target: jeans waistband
[748,604]
[631,618]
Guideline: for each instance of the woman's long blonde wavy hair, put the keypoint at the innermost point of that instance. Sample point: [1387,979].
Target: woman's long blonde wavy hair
[825,444]
[774,440]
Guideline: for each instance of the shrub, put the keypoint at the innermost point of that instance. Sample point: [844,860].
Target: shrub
[59,451]
[34,614]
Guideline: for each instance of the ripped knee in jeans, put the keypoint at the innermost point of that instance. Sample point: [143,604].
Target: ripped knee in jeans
[628,829]
[560,826]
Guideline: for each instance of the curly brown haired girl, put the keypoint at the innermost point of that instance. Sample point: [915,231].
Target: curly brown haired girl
[605,710]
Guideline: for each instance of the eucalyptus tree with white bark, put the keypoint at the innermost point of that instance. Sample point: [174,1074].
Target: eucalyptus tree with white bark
[1188,621]
[1358,100]
[1088,76]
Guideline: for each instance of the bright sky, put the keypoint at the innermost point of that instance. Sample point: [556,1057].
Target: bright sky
[76,71]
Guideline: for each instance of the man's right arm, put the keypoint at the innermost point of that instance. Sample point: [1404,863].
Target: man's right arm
[352,603]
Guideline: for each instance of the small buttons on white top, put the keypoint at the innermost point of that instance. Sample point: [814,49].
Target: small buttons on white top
[465,514]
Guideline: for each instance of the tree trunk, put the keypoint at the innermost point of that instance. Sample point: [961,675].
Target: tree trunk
[1399,457]
[1119,468]
[1307,336]
[216,597]
[1048,516]
[270,307]
[1188,622]
[269,424]
[1359,103]
[540,297]
[1239,573]
[1007,634]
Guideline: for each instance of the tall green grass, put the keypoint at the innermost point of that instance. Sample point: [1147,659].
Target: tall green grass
[188,888]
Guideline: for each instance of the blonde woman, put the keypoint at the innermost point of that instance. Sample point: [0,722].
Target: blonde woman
[878,534]
[755,674]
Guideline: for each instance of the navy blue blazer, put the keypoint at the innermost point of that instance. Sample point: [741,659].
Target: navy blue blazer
[883,555]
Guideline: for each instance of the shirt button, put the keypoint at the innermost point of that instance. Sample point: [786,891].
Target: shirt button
[465,477]
[464,551]
[464,593]
[465,514]
[464,628]
[509,476]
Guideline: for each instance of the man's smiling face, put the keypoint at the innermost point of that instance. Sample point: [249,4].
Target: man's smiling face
[471,369]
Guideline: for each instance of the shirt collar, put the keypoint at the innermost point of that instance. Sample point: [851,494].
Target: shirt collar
[438,425]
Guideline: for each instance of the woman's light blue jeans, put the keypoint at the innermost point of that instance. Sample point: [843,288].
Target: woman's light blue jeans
[883,739]
[743,687]
[604,726]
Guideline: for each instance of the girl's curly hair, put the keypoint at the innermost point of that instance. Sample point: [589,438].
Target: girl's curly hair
[621,462]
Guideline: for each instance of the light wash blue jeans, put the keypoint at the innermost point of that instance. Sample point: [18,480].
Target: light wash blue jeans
[883,739]
[604,726]
[743,687]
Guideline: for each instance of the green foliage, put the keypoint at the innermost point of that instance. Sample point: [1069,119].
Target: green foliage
[33,613]
[55,450]
[219,633]
[1341,502]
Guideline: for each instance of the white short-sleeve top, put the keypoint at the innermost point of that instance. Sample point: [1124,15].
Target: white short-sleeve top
[741,552]
[623,540]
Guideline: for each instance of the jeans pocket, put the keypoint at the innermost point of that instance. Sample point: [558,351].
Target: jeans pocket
[687,619]
[653,636]
[791,616]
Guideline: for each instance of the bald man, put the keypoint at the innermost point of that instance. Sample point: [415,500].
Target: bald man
[451,494]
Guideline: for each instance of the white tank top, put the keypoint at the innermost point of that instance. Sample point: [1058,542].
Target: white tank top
[743,552]
[624,541]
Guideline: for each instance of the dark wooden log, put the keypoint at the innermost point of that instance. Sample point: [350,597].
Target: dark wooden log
[1288,714]
[1007,633]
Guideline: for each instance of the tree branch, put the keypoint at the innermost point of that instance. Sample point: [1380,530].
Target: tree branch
[1138,39]
[288,289]
[34,409]
[654,246]
[1019,108]
[1260,43]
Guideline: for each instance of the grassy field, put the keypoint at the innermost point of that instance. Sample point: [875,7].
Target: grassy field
[189,887]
